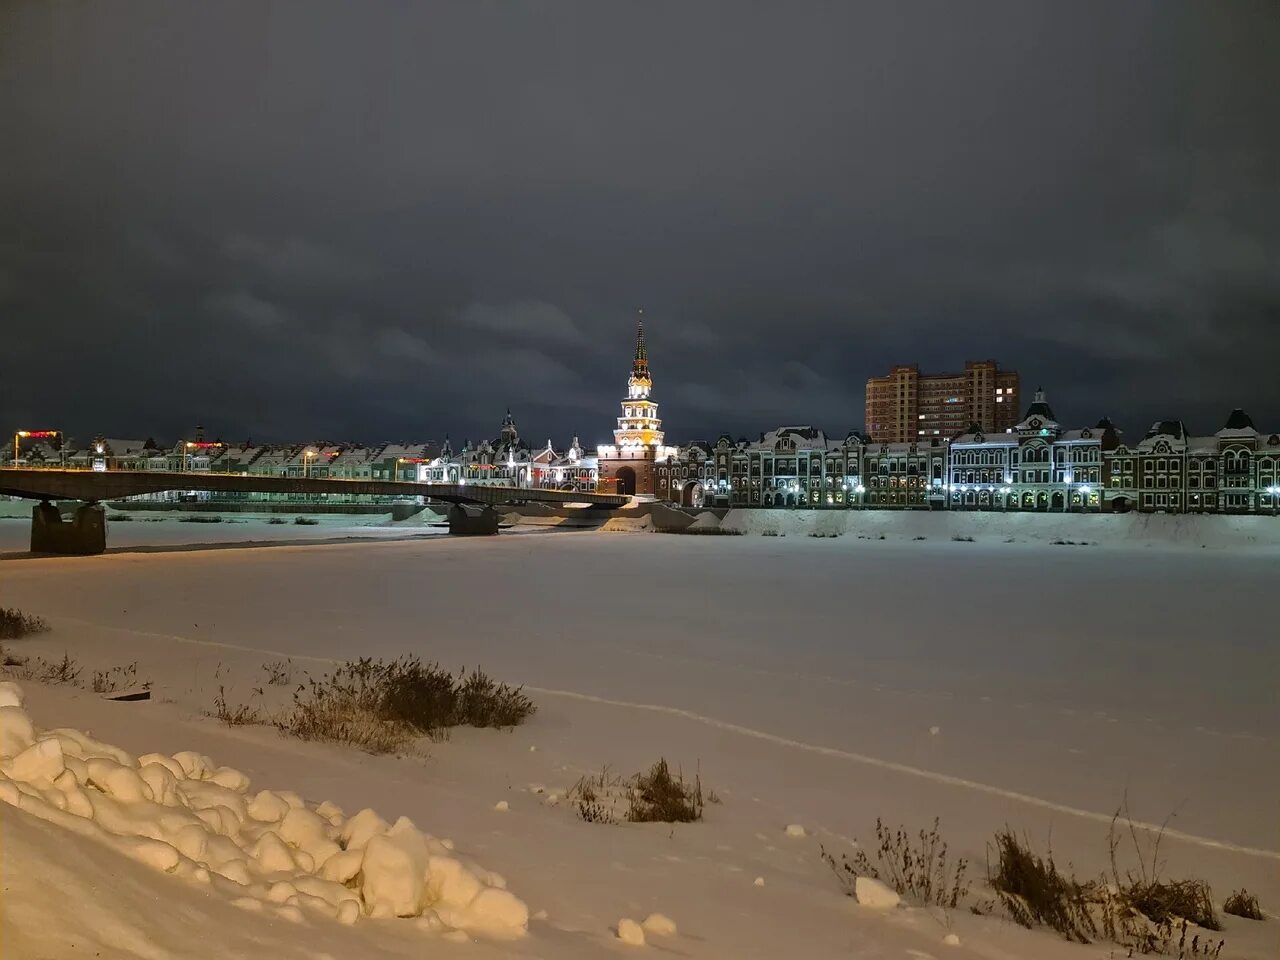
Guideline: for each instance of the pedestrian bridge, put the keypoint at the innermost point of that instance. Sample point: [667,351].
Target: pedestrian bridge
[86,533]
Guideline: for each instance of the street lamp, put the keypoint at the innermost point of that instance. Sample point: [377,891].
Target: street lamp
[1275,494]
[20,435]
[307,456]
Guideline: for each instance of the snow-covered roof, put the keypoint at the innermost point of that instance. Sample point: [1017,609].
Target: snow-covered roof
[1084,435]
[127,448]
[979,438]
[804,437]
[391,451]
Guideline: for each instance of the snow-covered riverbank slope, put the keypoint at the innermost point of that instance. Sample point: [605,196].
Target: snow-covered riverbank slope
[813,682]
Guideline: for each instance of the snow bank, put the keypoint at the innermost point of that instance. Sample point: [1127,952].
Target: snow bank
[1136,529]
[266,851]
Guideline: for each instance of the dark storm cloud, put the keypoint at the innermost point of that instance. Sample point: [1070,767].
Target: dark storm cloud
[376,220]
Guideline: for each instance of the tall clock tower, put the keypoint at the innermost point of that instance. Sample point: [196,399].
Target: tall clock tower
[627,465]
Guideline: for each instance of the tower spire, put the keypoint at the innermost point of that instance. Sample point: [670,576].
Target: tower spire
[640,367]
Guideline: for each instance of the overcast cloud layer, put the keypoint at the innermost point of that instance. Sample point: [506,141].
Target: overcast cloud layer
[377,221]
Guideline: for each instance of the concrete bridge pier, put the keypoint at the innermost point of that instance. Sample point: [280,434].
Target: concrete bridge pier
[84,535]
[472,522]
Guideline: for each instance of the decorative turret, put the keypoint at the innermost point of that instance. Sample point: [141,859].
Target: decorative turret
[509,434]
[1040,407]
[1039,418]
[1238,424]
[640,367]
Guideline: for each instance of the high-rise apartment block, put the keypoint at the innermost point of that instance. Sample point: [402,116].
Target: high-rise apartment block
[907,405]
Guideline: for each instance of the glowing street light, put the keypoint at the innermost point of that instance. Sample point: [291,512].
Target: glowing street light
[20,435]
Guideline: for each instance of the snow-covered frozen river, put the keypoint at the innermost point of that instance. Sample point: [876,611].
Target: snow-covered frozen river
[985,681]
[165,529]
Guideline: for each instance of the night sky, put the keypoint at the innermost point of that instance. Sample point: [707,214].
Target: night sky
[387,221]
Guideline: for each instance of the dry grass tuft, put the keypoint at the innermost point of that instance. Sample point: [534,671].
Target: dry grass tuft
[660,797]
[1035,893]
[117,678]
[1139,911]
[656,796]
[41,670]
[1243,904]
[917,869]
[279,672]
[14,624]
[382,705]
[240,716]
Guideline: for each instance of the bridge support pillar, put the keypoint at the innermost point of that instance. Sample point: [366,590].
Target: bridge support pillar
[83,535]
[472,522]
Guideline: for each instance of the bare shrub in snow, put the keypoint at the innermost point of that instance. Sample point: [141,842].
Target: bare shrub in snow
[1243,904]
[1035,893]
[595,797]
[201,518]
[41,670]
[660,797]
[656,796]
[279,672]
[276,520]
[382,705]
[240,716]
[117,678]
[305,521]
[1160,901]
[959,539]
[14,624]
[914,868]
[1141,912]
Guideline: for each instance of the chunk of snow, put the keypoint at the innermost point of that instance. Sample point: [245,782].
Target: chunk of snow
[16,731]
[795,830]
[660,925]
[394,871]
[231,779]
[267,807]
[194,765]
[42,761]
[870,892]
[759,882]
[630,932]
[951,940]
[10,694]
[362,827]
[502,806]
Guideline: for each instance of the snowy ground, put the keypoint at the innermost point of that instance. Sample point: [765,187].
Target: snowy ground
[822,682]
[153,529]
